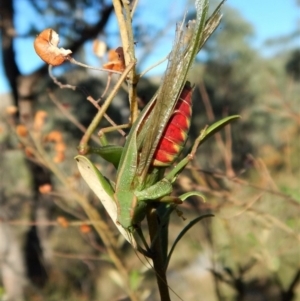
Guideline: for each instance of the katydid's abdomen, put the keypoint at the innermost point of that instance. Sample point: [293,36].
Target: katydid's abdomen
[176,131]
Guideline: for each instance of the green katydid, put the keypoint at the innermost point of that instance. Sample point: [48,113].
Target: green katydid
[137,181]
[140,175]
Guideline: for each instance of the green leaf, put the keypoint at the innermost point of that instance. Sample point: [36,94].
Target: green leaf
[104,191]
[216,127]
[183,232]
[204,134]
[186,195]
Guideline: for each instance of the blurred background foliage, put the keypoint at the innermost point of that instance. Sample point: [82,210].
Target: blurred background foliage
[250,249]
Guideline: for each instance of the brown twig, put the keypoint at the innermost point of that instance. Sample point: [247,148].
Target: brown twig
[239,181]
[223,147]
[83,145]
[88,97]
[123,14]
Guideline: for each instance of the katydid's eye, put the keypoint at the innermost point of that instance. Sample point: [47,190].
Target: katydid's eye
[189,29]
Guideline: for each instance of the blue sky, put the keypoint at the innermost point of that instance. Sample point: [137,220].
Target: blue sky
[269,18]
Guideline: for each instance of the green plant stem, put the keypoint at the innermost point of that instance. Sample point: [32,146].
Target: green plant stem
[83,145]
[157,255]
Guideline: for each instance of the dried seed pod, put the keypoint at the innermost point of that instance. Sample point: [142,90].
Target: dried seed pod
[116,60]
[45,46]
[99,48]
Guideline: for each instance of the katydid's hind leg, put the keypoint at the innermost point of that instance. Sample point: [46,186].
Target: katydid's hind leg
[155,192]
[171,199]
[112,128]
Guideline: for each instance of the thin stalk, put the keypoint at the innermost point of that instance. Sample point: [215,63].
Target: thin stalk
[69,115]
[73,61]
[83,145]
[66,112]
[124,17]
[153,66]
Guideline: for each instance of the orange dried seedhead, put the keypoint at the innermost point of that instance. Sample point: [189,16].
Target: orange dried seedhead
[62,221]
[11,110]
[29,152]
[41,114]
[45,189]
[45,46]
[21,130]
[59,157]
[116,60]
[84,228]
[54,136]
[39,120]
[60,147]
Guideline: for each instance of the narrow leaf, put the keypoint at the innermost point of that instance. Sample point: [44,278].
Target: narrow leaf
[217,126]
[186,195]
[183,232]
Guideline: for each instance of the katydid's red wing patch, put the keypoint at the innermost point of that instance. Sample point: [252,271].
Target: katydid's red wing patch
[176,131]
